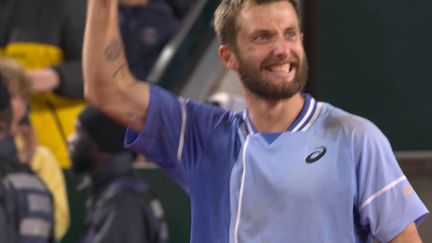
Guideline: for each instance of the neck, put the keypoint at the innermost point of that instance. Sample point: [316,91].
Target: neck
[273,115]
[112,168]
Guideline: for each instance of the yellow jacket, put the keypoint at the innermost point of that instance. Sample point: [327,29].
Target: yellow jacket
[40,39]
[52,116]
[45,165]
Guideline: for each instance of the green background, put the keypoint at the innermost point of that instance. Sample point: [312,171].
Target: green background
[375,59]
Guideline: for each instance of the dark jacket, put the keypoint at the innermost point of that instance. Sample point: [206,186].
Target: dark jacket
[122,208]
[26,205]
[145,31]
[58,26]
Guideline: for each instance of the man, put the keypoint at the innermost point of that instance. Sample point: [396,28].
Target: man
[46,37]
[121,208]
[146,27]
[26,207]
[288,169]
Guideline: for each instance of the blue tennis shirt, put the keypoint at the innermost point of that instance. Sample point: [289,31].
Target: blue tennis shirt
[331,177]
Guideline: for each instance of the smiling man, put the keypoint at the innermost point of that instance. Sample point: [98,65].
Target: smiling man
[288,168]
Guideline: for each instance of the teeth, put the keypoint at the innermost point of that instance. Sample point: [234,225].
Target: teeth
[280,68]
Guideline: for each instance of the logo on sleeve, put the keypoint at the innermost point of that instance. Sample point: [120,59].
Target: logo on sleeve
[316,155]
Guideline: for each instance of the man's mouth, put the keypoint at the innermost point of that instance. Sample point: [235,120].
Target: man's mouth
[285,70]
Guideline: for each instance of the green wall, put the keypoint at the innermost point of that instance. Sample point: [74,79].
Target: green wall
[375,60]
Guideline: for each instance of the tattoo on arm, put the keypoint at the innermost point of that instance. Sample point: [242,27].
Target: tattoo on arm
[114,49]
[133,116]
[118,70]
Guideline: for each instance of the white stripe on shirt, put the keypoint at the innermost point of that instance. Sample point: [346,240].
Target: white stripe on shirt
[183,128]
[239,207]
[306,116]
[315,116]
[380,192]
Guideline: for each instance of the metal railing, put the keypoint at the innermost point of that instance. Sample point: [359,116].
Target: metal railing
[174,44]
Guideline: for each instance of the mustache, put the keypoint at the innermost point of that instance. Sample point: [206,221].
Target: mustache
[294,61]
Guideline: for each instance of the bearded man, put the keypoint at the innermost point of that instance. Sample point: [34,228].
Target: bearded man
[288,168]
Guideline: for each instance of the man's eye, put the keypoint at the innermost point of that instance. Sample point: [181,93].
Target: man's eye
[291,34]
[262,37]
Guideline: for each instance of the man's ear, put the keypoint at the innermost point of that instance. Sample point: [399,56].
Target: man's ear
[228,57]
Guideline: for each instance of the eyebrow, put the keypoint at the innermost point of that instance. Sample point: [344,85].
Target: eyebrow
[261,31]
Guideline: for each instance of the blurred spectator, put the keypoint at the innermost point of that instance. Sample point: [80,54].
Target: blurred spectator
[46,37]
[121,207]
[38,157]
[227,101]
[146,27]
[26,207]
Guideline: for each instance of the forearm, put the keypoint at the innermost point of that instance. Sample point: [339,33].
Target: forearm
[108,83]
[104,61]
[64,79]
[408,235]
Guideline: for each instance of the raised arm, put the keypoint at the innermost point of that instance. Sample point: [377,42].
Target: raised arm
[108,83]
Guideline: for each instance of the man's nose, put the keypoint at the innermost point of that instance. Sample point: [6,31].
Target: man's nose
[282,48]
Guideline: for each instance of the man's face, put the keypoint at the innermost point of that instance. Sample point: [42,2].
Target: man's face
[80,150]
[269,56]
[19,106]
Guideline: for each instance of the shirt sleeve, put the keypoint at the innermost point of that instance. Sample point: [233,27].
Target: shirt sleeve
[386,201]
[175,133]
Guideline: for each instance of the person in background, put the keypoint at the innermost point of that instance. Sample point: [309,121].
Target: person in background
[46,37]
[41,160]
[121,207]
[146,27]
[288,168]
[226,100]
[26,206]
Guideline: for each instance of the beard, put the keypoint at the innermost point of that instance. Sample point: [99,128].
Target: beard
[255,81]
[82,159]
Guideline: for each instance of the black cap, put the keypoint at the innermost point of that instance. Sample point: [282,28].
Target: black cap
[108,134]
[4,96]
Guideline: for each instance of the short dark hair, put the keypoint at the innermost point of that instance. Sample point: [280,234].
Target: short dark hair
[5,106]
[105,132]
[226,14]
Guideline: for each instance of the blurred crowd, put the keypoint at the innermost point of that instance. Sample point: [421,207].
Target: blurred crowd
[47,128]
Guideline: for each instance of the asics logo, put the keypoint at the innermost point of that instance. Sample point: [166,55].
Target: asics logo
[316,155]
